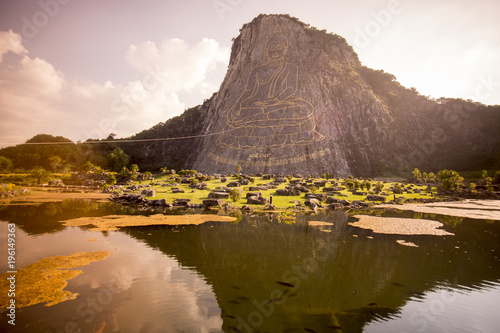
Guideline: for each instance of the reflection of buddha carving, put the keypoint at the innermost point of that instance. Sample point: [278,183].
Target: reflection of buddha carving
[268,114]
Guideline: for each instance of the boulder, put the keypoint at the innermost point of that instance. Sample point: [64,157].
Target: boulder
[319,196]
[247,208]
[359,203]
[253,194]
[331,200]
[193,205]
[181,202]
[218,195]
[254,200]
[234,184]
[374,197]
[270,207]
[213,202]
[313,202]
[335,206]
[258,188]
[148,192]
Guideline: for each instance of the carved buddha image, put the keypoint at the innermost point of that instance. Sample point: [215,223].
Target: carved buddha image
[268,114]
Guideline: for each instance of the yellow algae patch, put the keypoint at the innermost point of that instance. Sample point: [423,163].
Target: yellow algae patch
[400,226]
[92,239]
[406,243]
[44,281]
[112,222]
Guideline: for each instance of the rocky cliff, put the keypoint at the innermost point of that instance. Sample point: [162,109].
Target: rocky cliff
[298,100]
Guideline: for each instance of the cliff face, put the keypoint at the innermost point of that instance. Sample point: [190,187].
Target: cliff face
[297,100]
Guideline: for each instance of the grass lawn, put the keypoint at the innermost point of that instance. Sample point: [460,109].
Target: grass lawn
[165,192]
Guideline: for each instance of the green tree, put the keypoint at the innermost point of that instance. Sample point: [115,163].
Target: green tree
[88,166]
[496,180]
[40,174]
[397,189]
[56,163]
[367,185]
[378,187]
[313,189]
[416,174]
[5,163]
[349,183]
[118,159]
[134,168]
[449,179]
[237,168]
[432,176]
[235,194]
[111,179]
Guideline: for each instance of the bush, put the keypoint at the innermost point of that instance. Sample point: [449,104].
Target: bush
[449,179]
[378,187]
[397,189]
[496,180]
[235,194]
[111,179]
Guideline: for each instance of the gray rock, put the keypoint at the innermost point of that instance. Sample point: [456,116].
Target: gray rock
[254,200]
[374,197]
[335,206]
[331,200]
[181,202]
[218,195]
[213,202]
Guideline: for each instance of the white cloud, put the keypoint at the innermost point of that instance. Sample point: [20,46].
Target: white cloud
[174,65]
[10,41]
[36,98]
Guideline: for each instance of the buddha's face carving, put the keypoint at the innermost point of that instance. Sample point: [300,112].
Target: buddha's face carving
[276,51]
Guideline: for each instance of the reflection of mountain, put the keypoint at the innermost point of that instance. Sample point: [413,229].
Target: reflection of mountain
[44,217]
[339,280]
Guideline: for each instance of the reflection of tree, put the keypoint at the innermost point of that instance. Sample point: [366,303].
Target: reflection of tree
[46,217]
[450,220]
[243,262]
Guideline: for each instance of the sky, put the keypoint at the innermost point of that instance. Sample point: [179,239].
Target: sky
[87,68]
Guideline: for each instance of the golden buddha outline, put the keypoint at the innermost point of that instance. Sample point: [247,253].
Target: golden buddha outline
[268,115]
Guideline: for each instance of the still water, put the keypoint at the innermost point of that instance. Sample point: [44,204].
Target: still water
[261,274]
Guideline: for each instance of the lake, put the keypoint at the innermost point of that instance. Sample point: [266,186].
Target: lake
[261,273]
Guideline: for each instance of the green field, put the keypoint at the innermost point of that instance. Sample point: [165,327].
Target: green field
[197,196]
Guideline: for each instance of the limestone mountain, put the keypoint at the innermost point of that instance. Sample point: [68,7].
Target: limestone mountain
[298,100]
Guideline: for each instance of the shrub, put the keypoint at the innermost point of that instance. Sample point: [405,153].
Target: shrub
[313,189]
[397,189]
[378,187]
[235,194]
[449,179]
[111,179]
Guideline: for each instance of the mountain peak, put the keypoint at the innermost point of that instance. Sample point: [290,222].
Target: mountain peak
[298,100]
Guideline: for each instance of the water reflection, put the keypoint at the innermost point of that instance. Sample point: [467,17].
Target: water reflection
[271,273]
[338,279]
